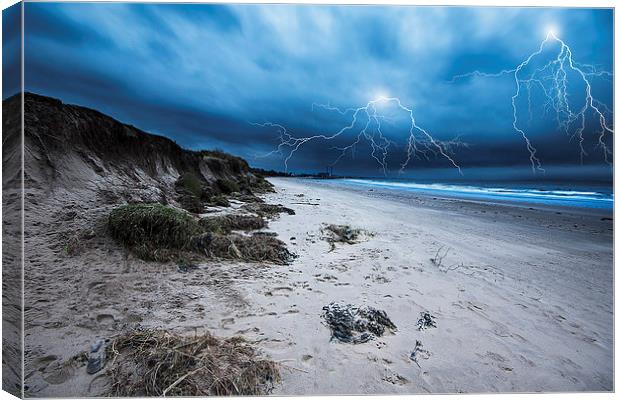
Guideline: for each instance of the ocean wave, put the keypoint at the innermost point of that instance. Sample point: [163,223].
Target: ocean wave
[497,192]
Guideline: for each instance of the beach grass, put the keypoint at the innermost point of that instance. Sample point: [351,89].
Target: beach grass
[160,363]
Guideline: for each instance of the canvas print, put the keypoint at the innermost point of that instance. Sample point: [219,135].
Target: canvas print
[297,199]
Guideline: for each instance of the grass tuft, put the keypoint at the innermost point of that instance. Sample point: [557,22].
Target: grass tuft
[153,231]
[227,186]
[190,183]
[159,363]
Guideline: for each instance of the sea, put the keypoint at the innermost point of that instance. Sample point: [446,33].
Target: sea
[564,194]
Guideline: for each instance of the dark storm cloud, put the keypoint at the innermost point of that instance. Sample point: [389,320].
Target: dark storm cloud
[200,73]
[11,50]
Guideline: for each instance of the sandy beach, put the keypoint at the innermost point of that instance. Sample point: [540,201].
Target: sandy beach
[521,299]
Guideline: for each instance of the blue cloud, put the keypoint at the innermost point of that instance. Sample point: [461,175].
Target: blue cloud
[200,73]
[11,49]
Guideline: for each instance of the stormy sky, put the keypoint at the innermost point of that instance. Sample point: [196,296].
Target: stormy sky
[200,74]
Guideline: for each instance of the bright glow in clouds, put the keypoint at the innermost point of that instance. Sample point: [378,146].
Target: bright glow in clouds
[381,95]
[551,30]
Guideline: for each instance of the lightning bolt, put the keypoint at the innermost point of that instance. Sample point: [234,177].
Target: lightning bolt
[365,123]
[553,80]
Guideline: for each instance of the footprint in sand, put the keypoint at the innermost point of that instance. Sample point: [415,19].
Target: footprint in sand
[396,379]
[42,362]
[279,291]
[226,321]
[60,372]
[105,319]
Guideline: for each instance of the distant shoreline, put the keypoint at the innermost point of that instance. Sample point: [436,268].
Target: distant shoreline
[447,197]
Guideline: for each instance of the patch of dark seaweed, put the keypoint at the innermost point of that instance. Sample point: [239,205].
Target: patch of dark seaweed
[218,200]
[356,324]
[427,320]
[341,234]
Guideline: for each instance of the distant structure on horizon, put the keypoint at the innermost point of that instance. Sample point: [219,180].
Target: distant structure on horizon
[329,172]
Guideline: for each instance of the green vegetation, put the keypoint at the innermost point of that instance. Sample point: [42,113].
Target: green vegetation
[190,183]
[153,231]
[218,161]
[227,186]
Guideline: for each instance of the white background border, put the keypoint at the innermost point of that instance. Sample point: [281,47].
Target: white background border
[540,3]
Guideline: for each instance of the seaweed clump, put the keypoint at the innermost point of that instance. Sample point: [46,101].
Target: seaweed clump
[159,363]
[353,324]
[153,231]
[427,320]
[341,234]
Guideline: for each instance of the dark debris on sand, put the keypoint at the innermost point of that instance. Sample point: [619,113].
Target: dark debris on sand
[341,234]
[356,324]
[419,352]
[267,210]
[427,320]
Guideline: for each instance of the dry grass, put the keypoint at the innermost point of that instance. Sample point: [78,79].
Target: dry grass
[267,210]
[233,222]
[259,248]
[158,363]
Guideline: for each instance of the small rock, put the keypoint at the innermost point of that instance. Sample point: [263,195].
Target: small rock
[185,268]
[96,357]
